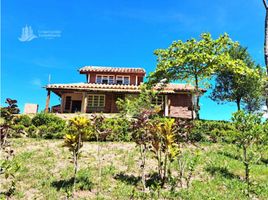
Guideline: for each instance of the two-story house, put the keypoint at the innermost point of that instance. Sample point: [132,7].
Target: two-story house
[105,85]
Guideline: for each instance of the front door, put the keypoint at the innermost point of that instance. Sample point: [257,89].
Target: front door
[76,106]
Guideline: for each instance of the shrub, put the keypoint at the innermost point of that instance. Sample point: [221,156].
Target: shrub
[51,131]
[48,126]
[212,131]
[120,129]
[24,120]
[32,131]
[78,129]
[45,119]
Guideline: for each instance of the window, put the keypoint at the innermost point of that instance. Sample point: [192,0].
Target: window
[105,79]
[96,101]
[119,80]
[99,78]
[122,80]
[111,79]
[126,80]
[158,100]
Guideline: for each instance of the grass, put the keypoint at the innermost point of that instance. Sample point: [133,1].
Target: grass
[46,173]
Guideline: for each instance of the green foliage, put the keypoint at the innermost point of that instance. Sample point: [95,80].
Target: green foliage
[211,131]
[24,120]
[193,61]
[248,129]
[243,89]
[186,165]
[78,130]
[45,119]
[8,167]
[164,146]
[132,107]
[48,126]
[248,134]
[120,129]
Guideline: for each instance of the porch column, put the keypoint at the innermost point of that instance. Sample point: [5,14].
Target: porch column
[193,106]
[62,103]
[166,106]
[47,101]
[84,103]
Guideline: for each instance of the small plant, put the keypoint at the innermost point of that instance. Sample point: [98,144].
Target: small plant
[8,167]
[186,165]
[78,130]
[248,134]
[99,132]
[164,147]
[143,128]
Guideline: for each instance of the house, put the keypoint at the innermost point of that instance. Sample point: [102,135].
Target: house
[105,85]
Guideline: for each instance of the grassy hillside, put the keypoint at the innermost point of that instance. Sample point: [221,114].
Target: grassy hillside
[46,173]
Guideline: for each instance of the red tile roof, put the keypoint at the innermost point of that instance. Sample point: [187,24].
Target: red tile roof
[168,89]
[87,69]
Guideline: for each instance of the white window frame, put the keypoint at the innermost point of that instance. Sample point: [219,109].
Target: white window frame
[123,81]
[93,97]
[102,75]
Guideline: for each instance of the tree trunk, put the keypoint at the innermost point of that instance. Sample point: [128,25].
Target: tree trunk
[197,98]
[238,102]
[246,164]
[143,160]
[266,41]
[165,171]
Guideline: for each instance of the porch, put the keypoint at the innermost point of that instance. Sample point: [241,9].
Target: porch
[98,102]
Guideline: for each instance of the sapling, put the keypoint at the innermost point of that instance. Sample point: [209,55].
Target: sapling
[142,134]
[99,132]
[78,129]
[247,136]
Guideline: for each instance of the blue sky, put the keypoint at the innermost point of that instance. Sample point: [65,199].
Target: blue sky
[113,33]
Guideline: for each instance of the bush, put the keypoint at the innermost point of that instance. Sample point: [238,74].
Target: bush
[24,120]
[47,126]
[32,131]
[119,129]
[46,119]
[211,131]
[51,131]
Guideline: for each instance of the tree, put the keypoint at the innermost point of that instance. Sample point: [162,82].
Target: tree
[249,133]
[266,40]
[266,35]
[78,131]
[242,88]
[193,61]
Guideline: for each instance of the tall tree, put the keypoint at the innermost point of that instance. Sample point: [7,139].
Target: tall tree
[242,88]
[266,41]
[266,35]
[193,61]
